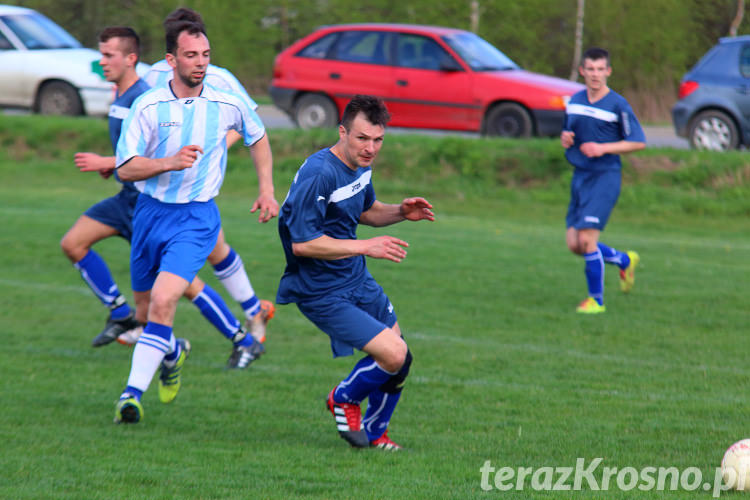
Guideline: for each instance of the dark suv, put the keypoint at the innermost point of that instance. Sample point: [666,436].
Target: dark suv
[713,110]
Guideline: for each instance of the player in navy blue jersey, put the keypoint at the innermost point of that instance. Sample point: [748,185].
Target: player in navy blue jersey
[599,126]
[326,274]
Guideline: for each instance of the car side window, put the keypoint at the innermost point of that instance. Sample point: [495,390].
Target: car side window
[745,61]
[414,51]
[5,43]
[319,48]
[363,47]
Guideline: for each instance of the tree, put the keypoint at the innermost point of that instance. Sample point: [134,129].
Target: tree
[737,18]
[578,41]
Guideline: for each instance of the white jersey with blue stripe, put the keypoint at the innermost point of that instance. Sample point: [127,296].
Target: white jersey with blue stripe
[160,124]
[610,119]
[161,73]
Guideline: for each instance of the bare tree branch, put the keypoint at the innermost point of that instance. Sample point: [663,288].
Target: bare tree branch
[578,41]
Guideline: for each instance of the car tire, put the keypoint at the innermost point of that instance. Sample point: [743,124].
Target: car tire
[58,98]
[315,111]
[713,131]
[508,120]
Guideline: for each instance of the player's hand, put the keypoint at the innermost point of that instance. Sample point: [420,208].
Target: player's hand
[417,209]
[185,157]
[106,174]
[90,162]
[386,247]
[268,207]
[567,138]
[592,149]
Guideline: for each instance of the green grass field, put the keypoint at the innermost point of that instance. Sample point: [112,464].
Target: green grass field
[504,369]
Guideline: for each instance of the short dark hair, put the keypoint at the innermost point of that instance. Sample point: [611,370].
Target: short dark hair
[182,14]
[130,41]
[372,107]
[594,54]
[174,30]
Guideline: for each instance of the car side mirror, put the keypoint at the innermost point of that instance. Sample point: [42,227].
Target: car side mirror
[447,63]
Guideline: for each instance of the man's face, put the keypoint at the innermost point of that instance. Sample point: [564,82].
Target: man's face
[192,56]
[114,62]
[595,73]
[361,144]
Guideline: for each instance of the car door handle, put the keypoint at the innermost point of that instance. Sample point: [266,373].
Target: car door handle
[335,76]
[402,83]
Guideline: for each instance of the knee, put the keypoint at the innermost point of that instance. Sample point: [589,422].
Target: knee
[161,306]
[71,250]
[396,383]
[394,360]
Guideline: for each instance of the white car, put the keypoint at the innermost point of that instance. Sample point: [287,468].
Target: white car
[46,70]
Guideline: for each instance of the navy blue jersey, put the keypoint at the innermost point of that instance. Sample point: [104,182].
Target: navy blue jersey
[610,119]
[326,198]
[119,110]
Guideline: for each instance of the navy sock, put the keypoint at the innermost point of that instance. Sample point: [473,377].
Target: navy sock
[380,407]
[595,275]
[614,256]
[366,377]
[216,311]
[95,273]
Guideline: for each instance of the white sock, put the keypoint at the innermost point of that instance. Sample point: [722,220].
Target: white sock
[147,356]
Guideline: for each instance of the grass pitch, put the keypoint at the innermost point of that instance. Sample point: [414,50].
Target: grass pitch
[504,370]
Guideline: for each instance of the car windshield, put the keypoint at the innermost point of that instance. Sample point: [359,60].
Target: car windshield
[37,32]
[479,54]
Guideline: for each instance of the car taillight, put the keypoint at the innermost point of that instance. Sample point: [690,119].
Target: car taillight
[686,88]
[559,101]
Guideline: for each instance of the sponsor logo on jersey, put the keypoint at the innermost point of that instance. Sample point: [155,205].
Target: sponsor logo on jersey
[170,124]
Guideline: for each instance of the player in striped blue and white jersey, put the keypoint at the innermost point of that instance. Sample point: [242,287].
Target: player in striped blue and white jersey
[599,126]
[228,266]
[112,216]
[174,150]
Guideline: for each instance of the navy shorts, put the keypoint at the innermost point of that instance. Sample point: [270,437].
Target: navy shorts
[116,212]
[172,237]
[352,318]
[593,195]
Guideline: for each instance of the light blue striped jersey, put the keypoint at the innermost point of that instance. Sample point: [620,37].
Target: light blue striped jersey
[161,73]
[159,125]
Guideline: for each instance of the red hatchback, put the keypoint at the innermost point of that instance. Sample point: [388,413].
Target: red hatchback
[428,76]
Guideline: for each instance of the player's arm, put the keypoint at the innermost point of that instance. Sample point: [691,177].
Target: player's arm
[139,167]
[263,159]
[382,214]
[596,149]
[92,162]
[327,248]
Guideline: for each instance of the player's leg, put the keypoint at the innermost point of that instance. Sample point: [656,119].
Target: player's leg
[230,271]
[382,403]
[245,348]
[76,245]
[594,268]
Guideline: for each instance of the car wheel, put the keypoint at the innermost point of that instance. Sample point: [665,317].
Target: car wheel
[713,131]
[58,98]
[315,111]
[508,120]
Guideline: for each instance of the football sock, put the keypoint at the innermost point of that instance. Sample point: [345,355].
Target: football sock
[614,256]
[595,275]
[380,406]
[231,272]
[216,311]
[95,273]
[156,342]
[366,377]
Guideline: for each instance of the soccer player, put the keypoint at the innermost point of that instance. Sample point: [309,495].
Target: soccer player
[174,149]
[599,127]
[227,264]
[120,48]
[326,274]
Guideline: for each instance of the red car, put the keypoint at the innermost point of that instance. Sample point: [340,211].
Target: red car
[428,76]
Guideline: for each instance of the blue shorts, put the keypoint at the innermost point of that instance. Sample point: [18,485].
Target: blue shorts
[593,195]
[116,212]
[172,237]
[351,318]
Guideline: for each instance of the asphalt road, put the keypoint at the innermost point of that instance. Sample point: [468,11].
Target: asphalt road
[656,136]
